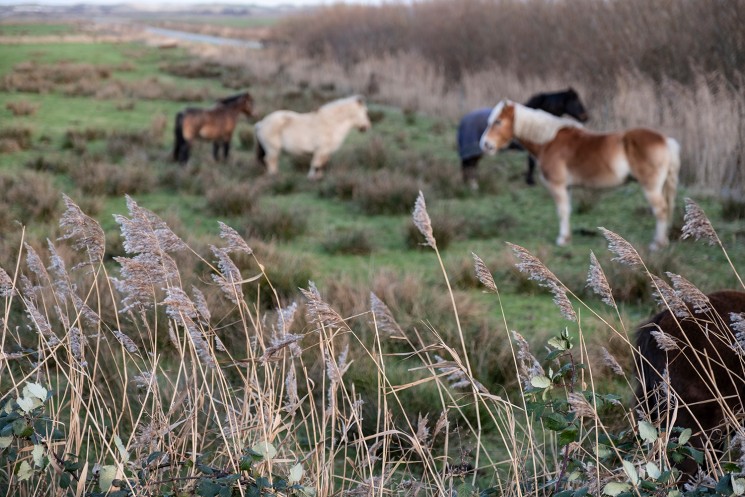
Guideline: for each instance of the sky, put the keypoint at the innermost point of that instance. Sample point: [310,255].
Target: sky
[183,2]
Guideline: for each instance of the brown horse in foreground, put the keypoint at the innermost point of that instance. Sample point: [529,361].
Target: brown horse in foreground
[705,364]
[215,124]
[569,155]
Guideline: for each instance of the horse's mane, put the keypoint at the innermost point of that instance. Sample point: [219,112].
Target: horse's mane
[339,103]
[538,126]
[233,99]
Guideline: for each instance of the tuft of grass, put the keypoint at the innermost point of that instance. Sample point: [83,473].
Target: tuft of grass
[22,108]
[385,192]
[230,199]
[276,223]
[347,241]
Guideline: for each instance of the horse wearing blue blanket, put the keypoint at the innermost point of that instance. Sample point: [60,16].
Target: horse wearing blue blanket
[473,125]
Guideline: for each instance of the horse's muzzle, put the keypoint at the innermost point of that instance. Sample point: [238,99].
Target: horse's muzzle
[488,147]
[364,128]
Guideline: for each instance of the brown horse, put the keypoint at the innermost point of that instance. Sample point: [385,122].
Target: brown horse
[215,124]
[569,155]
[705,363]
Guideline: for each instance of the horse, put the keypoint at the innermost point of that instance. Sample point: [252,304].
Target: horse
[215,124]
[319,133]
[699,381]
[473,124]
[570,155]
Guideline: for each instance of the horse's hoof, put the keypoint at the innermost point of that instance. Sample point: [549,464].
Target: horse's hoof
[655,246]
[530,181]
[473,185]
[562,242]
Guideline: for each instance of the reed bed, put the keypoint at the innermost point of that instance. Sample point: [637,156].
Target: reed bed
[129,380]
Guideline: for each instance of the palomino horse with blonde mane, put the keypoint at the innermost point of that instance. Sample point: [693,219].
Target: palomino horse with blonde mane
[319,133]
[568,155]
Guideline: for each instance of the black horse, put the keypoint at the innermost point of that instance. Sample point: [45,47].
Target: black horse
[705,366]
[473,125]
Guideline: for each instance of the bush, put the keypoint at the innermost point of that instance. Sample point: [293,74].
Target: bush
[18,138]
[347,241]
[385,192]
[31,196]
[230,199]
[276,224]
[22,108]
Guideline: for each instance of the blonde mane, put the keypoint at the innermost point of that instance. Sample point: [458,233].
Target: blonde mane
[336,106]
[538,126]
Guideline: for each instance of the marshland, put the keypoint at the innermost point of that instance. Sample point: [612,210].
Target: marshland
[209,329]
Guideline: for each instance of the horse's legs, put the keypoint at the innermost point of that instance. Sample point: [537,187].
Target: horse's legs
[560,194]
[225,149]
[316,165]
[470,175]
[659,207]
[529,176]
[216,150]
[183,153]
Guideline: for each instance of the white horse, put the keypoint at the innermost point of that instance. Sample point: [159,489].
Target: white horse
[319,133]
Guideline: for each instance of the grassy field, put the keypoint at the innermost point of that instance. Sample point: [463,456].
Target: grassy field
[94,122]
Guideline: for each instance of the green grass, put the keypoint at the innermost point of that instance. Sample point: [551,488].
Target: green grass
[529,210]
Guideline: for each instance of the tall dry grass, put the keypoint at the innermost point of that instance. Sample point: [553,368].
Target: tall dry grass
[675,67]
[127,378]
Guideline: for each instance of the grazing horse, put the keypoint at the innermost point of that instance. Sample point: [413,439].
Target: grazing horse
[694,375]
[319,133]
[215,124]
[473,124]
[569,155]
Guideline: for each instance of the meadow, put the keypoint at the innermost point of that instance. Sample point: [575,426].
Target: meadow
[208,330]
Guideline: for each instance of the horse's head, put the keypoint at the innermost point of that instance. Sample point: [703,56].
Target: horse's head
[500,128]
[574,106]
[247,104]
[361,119]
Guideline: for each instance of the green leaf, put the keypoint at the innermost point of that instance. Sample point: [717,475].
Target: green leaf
[738,486]
[38,455]
[685,435]
[614,488]
[122,449]
[35,390]
[568,436]
[647,431]
[296,473]
[5,442]
[603,451]
[266,450]
[564,493]
[630,471]
[24,471]
[540,381]
[209,488]
[106,476]
[64,480]
[653,470]
[558,343]
[554,421]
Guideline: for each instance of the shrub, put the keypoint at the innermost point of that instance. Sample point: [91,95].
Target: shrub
[276,223]
[22,108]
[44,164]
[230,199]
[16,137]
[347,241]
[385,192]
[31,196]
[444,227]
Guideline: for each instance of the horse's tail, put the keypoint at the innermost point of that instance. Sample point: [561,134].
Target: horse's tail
[179,142]
[670,187]
[259,148]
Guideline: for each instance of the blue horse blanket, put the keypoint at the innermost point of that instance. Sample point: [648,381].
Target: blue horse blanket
[470,129]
